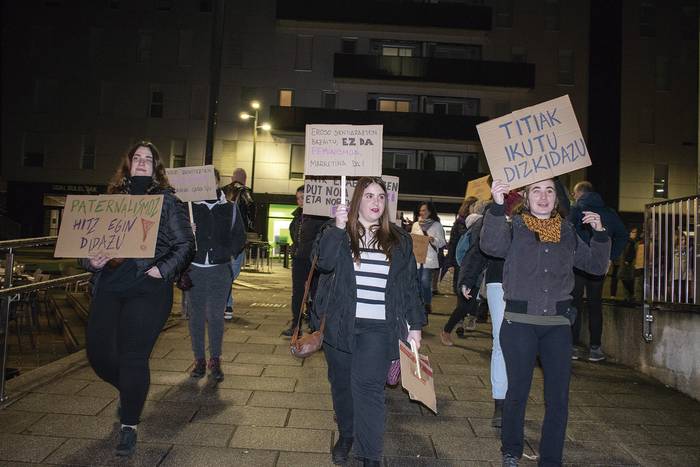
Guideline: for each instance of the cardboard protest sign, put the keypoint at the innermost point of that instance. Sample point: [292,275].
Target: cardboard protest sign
[479,188]
[420,247]
[322,195]
[193,183]
[534,143]
[351,150]
[419,384]
[118,226]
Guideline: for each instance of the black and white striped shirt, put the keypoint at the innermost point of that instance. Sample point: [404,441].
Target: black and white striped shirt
[371,275]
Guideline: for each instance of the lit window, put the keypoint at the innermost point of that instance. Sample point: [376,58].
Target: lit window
[391,105]
[397,51]
[660,181]
[286,97]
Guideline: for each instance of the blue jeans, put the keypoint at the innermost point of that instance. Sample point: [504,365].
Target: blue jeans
[425,275]
[236,265]
[497,306]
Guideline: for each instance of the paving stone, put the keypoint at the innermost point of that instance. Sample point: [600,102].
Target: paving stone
[646,401]
[171,378]
[429,425]
[317,360]
[471,393]
[282,341]
[74,426]
[483,429]
[62,386]
[192,455]
[236,338]
[455,358]
[477,449]
[672,435]
[596,431]
[316,419]
[315,386]
[170,364]
[291,400]
[403,405]
[282,439]
[15,421]
[430,462]
[465,409]
[308,459]
[466,369]
[259,383]
[312,373]
[577,399]
[679,417]
[237,369]
[244,415]
[666,456]
[466,380]
[107,391]
[200,434]
[408,445]
[101,452]
[58,403]
[248,358]
[27,448]
[85,373]
[627,416]
[595,452]
[205,394]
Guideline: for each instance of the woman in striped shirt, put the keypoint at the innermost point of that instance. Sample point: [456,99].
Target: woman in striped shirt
[370,293]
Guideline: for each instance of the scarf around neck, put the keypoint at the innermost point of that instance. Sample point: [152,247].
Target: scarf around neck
[426,224]
[547,230]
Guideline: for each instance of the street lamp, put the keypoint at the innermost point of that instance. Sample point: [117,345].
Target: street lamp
[255,105]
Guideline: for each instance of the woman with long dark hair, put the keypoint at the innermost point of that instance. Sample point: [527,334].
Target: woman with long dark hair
[132,298]
[368,290]
[541,250]
[428,224]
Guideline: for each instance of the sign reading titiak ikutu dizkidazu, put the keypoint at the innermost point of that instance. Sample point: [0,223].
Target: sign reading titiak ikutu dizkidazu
[117,226]
[351,150]
[534,143]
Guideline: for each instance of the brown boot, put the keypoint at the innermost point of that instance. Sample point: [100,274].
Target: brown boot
[446,339]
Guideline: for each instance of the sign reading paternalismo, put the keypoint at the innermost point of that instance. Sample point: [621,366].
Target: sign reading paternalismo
[352,150]
[118,226]
[534,143]
[193,183]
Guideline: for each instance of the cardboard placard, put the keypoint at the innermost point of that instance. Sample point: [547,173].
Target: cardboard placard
[193,183]
[479,188]
[534,143]
[118,226]
[421,389]
[352,150]
[322,195]
[421,243]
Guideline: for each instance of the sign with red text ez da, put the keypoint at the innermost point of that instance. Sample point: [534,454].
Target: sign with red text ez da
[534,143]
[193,183]
[117,226]
[352,150]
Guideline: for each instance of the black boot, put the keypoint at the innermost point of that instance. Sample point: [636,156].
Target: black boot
[497,419]
[341,450]
[371,463]
[215,369]
[200,368]
[127,442]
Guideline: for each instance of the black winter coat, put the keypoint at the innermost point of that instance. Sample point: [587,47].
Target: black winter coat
[304,229]
[337,291]
[592,201]
[174,245]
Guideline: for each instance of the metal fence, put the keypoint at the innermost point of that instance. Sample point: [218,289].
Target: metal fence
[670,261]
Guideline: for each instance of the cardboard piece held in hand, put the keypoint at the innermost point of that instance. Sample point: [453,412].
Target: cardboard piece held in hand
[193,183]
[421,243]
[417,380]
[479,188]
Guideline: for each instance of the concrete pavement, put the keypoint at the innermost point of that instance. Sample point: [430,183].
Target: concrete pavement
[275,410]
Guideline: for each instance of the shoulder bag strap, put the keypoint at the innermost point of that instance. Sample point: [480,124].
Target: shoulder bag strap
[304,301]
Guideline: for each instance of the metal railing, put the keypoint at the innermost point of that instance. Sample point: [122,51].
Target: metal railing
[670,258]
[10,294]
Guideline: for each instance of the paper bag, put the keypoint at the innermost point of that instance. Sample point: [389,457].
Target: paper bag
[417,379]
[420,247]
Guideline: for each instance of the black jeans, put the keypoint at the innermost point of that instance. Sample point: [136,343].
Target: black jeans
[121,332]
[357,386]
[521,343]
[464,307]
[300,271]
[594,293]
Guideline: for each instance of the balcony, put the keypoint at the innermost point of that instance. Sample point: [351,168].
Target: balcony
[396,13]
[435,70]
[396,124]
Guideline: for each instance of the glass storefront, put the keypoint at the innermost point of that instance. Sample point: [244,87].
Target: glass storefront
[279,217]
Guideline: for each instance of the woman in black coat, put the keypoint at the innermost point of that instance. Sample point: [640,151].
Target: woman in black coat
[132,298]
[370,295]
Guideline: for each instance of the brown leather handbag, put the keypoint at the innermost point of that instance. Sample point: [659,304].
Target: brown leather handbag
[306,345]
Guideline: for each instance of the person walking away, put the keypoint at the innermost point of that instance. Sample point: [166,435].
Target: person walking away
[220,236]
[468,304]
[627,268]
[238,193]
[368,292]
[303,230]
[428,224]
[592,284]
[132,298]
[458,228]
[540,251]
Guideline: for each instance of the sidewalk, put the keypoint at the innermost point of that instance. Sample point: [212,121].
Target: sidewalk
[275,410]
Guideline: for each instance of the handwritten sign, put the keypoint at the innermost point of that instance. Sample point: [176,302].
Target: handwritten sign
[119,226]
[534,143]
[193,183]
[479,188]
[352,150]
[322,195]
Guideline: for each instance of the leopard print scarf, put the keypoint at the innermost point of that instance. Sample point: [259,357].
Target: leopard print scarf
[547,230]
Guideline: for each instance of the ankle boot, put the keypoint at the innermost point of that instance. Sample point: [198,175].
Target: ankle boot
[341,450]
[215,369]
[497,419]
[200,368]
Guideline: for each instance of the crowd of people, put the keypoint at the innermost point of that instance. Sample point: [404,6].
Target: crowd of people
[529,254]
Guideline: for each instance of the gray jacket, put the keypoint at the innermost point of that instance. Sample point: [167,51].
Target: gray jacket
[538,277]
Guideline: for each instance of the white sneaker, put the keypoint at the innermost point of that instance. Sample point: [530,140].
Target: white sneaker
[228,314]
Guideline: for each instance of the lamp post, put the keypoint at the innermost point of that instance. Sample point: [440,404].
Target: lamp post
[255,105]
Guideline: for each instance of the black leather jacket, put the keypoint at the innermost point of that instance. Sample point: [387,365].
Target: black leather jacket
[337,291]
[174,245]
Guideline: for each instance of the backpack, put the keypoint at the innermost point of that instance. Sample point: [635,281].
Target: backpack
[463,246]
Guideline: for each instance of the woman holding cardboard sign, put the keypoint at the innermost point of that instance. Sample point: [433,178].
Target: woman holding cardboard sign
[540,250]
[428,224]
[368,292]
[132,298]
